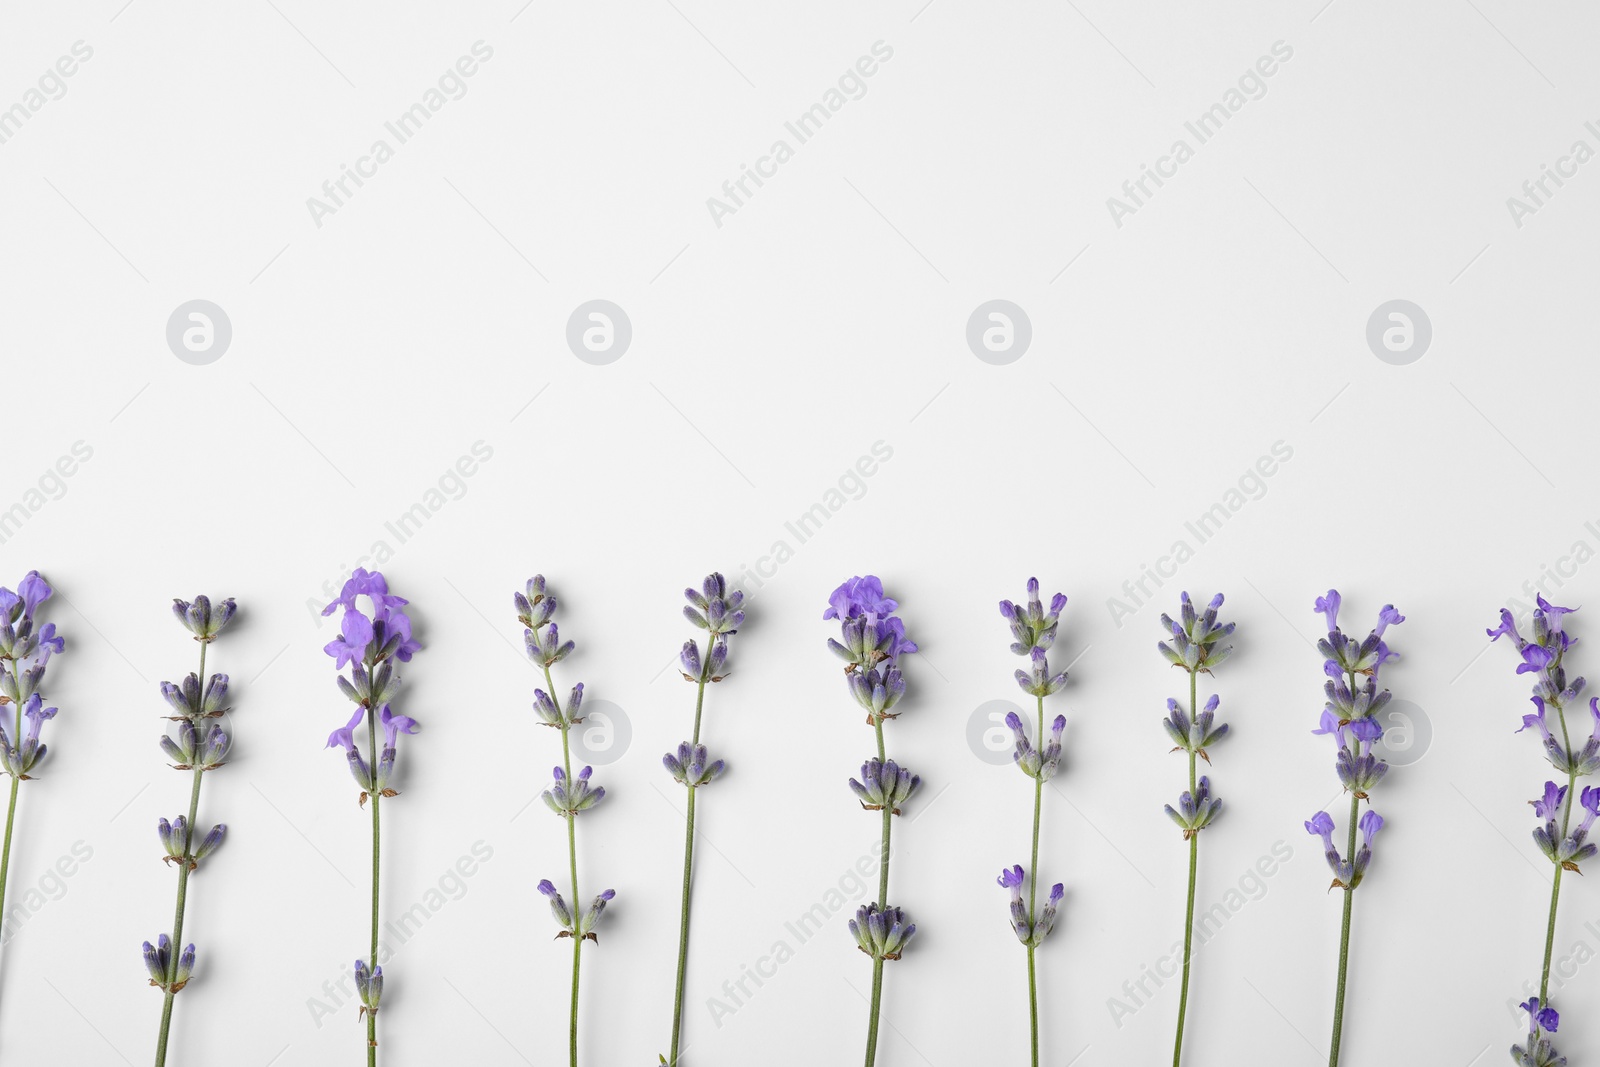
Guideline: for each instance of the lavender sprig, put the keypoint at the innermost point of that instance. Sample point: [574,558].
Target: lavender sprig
[202,744]
[1033,632]
[1194,643]
[25,649]
[374,634]
[1348,716]
[569,795]
[719,611]
[1564,845]
[873,640]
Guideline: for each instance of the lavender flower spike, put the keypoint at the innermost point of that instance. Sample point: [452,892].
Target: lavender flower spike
[375,636]
[1561,833]
[872,641]
[570,795]
[1033,633]
[26,645]
[1352,701]
[719,611]
[1196,642]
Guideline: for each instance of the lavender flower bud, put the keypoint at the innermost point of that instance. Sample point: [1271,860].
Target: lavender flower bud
[884,784]
[568,797]
[156,959]
[882,933]
[548,649]
[591,918]
[714,609]
[1195,810]
[546,709]
[878,691]
[689,659]
[558,907]
[201,619]
[1031,626]
[166,974]
[174,836]
[536,607]
[717,661]
[1041,683]
[369,987]
[213,751]
[691,765]
[210,842]
[1196,638]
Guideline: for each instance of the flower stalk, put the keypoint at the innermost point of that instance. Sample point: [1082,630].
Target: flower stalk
[1564,845]
[873,640]
[1033,632]
[202,744]
[718,612]
[1193,644]
[374,635]
[25,649]
[1350,718]
[570,795]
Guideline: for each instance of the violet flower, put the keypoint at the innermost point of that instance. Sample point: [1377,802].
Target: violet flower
[201,744]
[1542,655]
[872,640]
[374,634]
[1352,700]
[1033,632]
[1194,643]
[26,646]
[569,795]
[718,611]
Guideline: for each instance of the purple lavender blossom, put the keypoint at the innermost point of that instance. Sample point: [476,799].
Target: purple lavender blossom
[1352,701]
[871,634]
[1541,654]
[370,645]
[872,640]
[374,634]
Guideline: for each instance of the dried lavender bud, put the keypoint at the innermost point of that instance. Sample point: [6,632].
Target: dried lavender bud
[882,932]
[692,766]
[201,619]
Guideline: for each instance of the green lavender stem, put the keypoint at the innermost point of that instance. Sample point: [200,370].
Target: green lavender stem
[1194,864]
[1555,887]
[1344,943]
[372,962]
[1033,890]
[1344,926]
[572,863]
[183,892]
[5,853]
[883,902]
[688,874]
[11,814]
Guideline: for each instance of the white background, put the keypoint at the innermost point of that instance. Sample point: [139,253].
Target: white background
[828,313]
